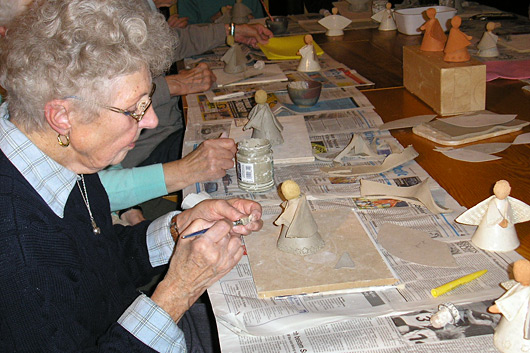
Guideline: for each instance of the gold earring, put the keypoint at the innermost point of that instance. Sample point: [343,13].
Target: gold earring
[61,143]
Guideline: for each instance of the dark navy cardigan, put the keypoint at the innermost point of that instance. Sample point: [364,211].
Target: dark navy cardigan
[62,288]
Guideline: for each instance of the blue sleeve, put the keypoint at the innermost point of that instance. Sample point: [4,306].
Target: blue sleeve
[132,186]
[188,8]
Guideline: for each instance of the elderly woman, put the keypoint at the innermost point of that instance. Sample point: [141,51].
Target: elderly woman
[78,73]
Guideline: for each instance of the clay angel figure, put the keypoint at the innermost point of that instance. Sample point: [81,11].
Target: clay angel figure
[309,60]
[495,218]
[299,234]
[334,23]
[434,37]
[487,47]
[240,12]
[235,60]
[512,334]
[264,123]
[225,17]
[457,43]
[385,18]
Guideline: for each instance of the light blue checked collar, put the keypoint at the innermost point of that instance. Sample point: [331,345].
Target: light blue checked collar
[52,181]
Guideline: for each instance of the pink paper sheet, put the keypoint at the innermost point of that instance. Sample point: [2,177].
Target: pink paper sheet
[513,70]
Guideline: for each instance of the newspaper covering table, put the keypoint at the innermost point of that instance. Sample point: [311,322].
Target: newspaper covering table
[380,319]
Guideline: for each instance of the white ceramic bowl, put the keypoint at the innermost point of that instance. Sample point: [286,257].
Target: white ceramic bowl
[409,21]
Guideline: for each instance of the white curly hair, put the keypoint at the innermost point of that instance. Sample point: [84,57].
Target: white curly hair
[77,47]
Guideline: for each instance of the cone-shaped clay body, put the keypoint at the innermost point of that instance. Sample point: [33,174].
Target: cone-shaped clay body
[434,37]
[309,60]
[262,120]
[299,234]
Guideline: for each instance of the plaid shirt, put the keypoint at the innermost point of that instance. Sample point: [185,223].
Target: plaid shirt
[54,183]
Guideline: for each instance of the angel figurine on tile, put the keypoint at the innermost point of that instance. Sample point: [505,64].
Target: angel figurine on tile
[512,334]
[434,37]
[456,47]
[385,18]
[334,23]
[487,47]
[262,120]
[234,59]
[495,218]
[299,234]
[309,60]
[240,12]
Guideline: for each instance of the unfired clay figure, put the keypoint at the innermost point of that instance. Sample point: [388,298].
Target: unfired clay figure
[434,37]
[512,334]
[309,60]
[385,19]
[495,218]
[240,12]
[457,43]
[263,121]
[226,16]
[487,47]
[334,23]
[299,234]
[234,58]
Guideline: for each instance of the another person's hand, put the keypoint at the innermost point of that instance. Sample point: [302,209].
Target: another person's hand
[174,21]
[251,34]
[209,161]
[198,79]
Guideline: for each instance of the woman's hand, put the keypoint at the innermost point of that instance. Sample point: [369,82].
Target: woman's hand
[196,264]
[251,34]
[198,79]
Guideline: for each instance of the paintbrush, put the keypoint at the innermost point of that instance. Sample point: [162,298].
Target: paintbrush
[240,222]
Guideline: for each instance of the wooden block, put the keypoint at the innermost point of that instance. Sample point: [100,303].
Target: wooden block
[448,88]
[277,273]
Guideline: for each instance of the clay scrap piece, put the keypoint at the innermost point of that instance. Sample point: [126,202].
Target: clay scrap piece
[407,122]
[475,153]
[415,246]
[522,139]
[479,119]
[416,194]
[391,161]
[299,234]
[356,147]
[345,261]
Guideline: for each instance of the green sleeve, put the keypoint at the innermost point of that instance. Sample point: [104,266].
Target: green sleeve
[132,186]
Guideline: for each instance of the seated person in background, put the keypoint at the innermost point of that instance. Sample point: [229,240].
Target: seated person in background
[207,11]
[163,144]
[78,100]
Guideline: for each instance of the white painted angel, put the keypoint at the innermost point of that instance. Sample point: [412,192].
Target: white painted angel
[263,121]
[299,234]
[234,59]
[385,18]
[240,12]
[495,218]
[487,47]
[512,334]
[309,60]
[334,23]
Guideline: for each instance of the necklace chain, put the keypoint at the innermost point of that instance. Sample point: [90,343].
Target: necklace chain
[84,194]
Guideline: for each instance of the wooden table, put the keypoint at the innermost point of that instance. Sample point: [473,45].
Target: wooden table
[378,56]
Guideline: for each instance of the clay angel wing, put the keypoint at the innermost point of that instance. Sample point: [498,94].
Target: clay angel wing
[474,215]
[379,16]
[520,210]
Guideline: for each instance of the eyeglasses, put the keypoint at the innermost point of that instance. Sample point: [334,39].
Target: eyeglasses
[141,106]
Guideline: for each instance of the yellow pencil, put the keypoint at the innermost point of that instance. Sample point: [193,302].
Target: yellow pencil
[457,282]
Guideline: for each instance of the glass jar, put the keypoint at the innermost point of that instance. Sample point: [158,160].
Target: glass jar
[254,163]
